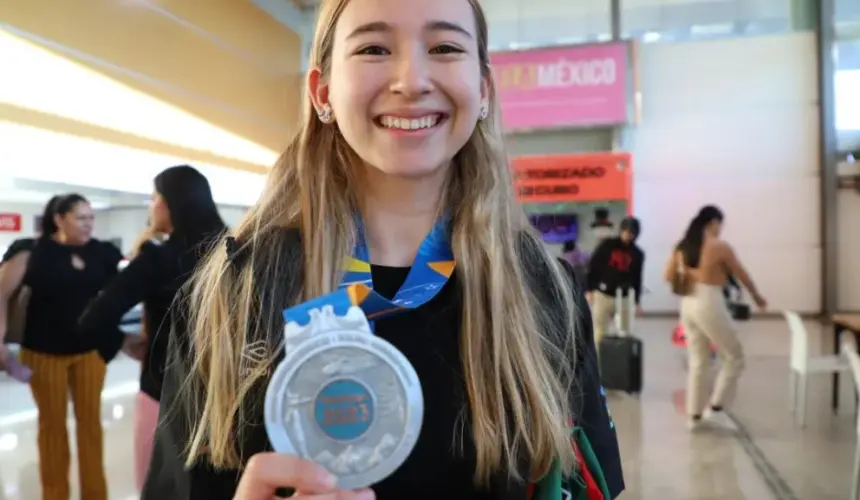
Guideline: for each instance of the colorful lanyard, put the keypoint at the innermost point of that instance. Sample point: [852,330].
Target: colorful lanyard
[432,268]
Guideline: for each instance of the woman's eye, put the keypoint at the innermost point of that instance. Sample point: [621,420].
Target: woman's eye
[373,50]
[446,49]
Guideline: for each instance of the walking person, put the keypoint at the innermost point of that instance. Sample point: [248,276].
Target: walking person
[615,265]
[700,267]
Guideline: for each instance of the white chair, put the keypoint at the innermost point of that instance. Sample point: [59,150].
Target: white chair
[802,365]
[850,352]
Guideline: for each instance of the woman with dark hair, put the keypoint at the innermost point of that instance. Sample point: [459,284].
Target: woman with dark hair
[47,225]
[46,228]
[64,269]
[183,209]
[707,263]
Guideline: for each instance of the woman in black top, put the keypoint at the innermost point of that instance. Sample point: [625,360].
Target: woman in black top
[401,135]
[64,270]
[182,208]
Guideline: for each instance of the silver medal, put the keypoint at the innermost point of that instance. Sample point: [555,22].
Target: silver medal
[344,398]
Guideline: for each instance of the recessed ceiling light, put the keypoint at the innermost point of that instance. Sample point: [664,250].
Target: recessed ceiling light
[651,36]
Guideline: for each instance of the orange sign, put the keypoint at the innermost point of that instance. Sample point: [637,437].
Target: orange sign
[574,178]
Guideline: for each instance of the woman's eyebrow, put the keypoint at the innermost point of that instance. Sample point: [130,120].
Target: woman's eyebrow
[383,27]
[447,26]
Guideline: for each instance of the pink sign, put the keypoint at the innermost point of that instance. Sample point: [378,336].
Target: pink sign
[563,87]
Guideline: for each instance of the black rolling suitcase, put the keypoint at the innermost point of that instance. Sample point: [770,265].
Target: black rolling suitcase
[620,353]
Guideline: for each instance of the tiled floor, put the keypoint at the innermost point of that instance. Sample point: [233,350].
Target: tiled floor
[19,474]
[662,460]
[816,461]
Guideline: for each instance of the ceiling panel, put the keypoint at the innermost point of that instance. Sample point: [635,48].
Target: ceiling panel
[39,154]
[24,190]
[224,61]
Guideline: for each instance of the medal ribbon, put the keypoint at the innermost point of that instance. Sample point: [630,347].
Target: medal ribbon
[432,268]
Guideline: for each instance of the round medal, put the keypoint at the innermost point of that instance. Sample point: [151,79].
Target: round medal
[345,399]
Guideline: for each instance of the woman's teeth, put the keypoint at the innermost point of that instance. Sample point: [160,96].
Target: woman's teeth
[409,123]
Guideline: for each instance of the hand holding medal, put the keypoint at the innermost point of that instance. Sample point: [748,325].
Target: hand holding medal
[267,472]
[343,398]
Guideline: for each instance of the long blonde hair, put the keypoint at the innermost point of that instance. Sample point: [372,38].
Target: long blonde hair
[517,349]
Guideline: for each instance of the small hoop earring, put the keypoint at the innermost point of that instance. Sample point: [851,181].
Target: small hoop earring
[325,115]
[484,112]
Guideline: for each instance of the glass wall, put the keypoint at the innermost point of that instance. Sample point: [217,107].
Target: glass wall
[847,74]
[668,20]
[847,12]
[516,24]
[847,95]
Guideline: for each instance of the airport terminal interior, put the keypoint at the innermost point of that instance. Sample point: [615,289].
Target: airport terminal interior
[634,130]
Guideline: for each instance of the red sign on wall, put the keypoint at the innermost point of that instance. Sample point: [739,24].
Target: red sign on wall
[571,178]
[10,223]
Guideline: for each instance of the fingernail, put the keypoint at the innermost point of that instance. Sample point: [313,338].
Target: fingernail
[367,494]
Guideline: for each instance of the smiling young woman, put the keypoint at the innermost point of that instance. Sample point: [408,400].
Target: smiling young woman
[401,136]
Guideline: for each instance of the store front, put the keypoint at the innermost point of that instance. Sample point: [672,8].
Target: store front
[565,111]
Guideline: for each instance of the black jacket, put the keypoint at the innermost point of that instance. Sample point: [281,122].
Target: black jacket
[153,277]
[432,345]
[616,265]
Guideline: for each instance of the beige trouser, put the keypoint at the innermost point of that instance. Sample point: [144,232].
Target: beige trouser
[603,311]
[707,321]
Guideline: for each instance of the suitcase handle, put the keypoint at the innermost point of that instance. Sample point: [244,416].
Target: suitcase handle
[619,310]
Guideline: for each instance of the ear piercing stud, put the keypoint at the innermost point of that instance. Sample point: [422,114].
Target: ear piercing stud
[325,115]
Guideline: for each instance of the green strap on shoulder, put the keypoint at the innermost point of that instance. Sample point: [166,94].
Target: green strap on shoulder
[592,463]
[555,486]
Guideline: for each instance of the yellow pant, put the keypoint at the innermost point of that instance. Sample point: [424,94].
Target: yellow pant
[54,377]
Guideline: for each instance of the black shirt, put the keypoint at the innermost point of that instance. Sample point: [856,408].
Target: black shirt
[18,246]
[152,277]
[436,468]
[616,265]
[60,293]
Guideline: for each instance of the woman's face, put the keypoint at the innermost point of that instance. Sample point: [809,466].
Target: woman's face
[405,86]
[76,225]
[159,214]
